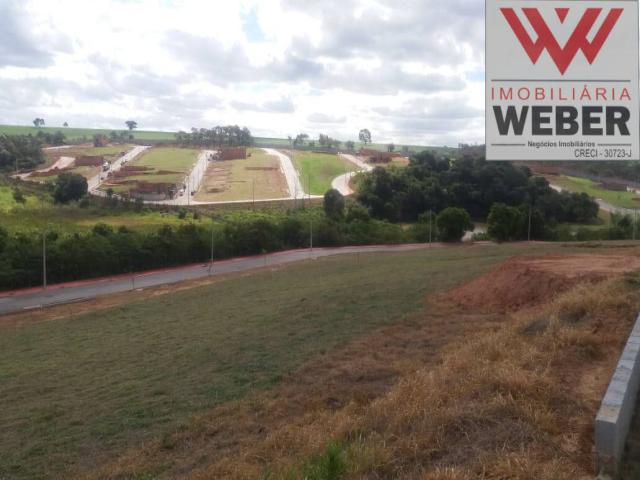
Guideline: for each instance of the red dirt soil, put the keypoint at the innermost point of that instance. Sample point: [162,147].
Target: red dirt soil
[524,282]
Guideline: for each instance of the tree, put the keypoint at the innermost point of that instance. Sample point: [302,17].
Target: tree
[365,136]
[300,139]
[131,125]
[65,124]
[38,122]
[18,196]
[69,187]
[350,145]
[505,223]
[452,223]
[391,148]
[334,204]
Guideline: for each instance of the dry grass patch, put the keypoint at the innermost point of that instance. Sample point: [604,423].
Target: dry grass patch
[441,396]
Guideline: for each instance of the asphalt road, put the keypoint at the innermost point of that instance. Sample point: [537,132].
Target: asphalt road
[12,302]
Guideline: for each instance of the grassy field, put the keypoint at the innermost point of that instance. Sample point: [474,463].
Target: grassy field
[79,134]
[80,390]
[39,212]
[169,165]
[235,179]
[576,184]
[320,169]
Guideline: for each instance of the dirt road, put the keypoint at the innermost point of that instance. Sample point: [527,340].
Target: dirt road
[95,181]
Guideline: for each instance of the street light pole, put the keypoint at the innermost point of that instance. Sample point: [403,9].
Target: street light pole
[311,235]
[529,231]
[44,258]
[430,229]
[211,265]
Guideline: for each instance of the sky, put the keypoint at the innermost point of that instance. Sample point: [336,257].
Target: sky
[411,71]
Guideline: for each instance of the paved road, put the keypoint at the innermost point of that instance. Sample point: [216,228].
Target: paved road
[193,181]
[296,190]
[341,183]
[364,166]
[20,300]
[95,182]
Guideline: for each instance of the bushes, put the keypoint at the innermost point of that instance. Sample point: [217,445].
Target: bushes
[108,251]
[505,223]
[452,223]
[69,187]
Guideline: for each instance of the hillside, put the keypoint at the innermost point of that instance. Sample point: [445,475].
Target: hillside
[83,134]
[327,364]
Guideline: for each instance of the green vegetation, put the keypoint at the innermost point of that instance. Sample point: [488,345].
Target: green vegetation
[69,187]
[163,359]
[167,165]
[583,185]
[83,134]
[19,153]
[452,224]
[435,183]
[320,169]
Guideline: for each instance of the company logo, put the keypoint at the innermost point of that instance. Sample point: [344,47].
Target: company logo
[578,40]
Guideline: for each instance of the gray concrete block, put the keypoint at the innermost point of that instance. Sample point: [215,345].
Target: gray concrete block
[616,412]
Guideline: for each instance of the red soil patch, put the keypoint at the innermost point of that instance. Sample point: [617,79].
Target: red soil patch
[524,282]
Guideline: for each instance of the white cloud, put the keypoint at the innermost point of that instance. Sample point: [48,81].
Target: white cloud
[277,66]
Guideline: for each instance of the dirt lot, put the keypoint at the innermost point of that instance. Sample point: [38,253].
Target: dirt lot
[234,180]
[500,378]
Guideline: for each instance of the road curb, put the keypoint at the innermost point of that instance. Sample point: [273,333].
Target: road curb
[616,412]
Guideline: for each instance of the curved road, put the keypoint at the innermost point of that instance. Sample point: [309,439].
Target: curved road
[607,207]
[20,300]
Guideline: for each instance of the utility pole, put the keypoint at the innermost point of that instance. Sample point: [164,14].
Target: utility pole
[44,258]
[430,228]
[309,186]
[529,231]
[211,265]
[254,193]
[635,222]
[311,235]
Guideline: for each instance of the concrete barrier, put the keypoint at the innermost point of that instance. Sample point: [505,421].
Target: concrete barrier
[617,409]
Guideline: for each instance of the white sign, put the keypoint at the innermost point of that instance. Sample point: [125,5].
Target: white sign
[562,80]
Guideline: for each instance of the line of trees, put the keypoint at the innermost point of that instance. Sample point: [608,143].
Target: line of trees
[20,152]
[229,136]
[108,251]
[430,183]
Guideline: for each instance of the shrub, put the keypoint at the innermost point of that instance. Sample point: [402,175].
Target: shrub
[69,187]
[452,223]
[505,223]
[334,204]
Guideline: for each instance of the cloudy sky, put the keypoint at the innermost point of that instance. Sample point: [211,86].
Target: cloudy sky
[409,70]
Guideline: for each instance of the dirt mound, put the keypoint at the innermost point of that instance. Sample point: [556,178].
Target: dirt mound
[524,282]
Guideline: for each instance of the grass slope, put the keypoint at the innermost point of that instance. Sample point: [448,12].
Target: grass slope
[80,390]
[319,169]
[577,184]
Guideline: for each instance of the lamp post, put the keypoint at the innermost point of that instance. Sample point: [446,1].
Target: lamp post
[44,258]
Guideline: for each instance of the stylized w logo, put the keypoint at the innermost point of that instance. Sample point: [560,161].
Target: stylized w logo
[562,57]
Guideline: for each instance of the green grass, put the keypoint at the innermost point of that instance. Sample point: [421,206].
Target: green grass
[177,161]
[39,214]
[320,169]
[82,389]
[78,134]
[577,184]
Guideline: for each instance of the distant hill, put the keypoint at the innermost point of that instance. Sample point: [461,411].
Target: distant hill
[86,134]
